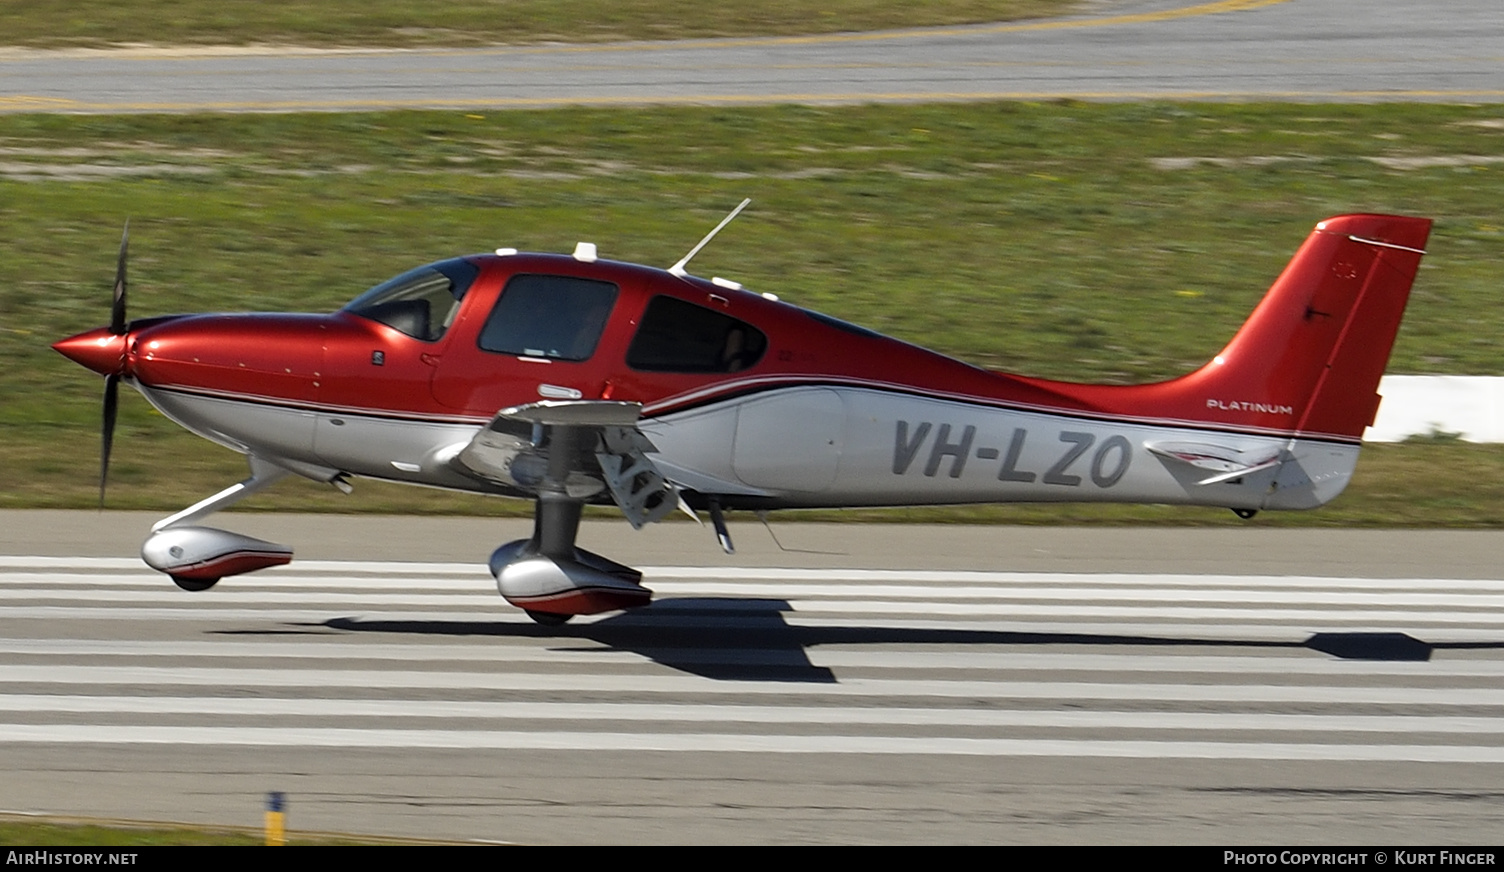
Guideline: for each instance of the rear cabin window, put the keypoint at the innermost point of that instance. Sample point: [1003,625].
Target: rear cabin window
[554,317]
[676,336]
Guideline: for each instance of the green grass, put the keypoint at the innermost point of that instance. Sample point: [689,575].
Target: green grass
[100,23]
[1065,240]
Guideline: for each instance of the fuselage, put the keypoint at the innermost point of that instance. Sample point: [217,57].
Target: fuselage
[756,401]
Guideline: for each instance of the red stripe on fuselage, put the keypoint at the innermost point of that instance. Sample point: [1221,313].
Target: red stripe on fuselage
[756,386]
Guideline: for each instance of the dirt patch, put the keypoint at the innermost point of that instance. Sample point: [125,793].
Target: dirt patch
[110,150]
[1423,162]
[1190,163]
[1431,162]
[82,172]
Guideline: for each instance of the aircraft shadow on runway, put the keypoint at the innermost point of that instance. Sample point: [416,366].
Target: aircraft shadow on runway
[733,639]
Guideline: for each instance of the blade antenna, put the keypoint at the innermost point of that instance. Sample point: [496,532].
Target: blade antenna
[678,268]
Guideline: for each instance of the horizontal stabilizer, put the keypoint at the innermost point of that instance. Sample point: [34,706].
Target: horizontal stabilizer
[1224,463]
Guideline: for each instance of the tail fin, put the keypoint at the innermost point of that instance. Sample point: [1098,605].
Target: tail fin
[1309,358]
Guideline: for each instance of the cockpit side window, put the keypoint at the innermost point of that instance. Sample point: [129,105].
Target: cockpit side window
[554,317]
[676,336]
[421,303]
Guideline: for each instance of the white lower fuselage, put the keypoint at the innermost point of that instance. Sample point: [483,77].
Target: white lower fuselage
[814,446]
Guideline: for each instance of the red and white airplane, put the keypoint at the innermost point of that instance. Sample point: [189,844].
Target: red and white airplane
[569,380]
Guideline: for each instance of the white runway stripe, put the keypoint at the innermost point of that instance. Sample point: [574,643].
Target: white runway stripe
[105,568]
[108,564]
[238,597]
[188,676]
[1103,632]
[635,743]
[746,714]
[494,652]
[466,575]
[418,593]
[482,604]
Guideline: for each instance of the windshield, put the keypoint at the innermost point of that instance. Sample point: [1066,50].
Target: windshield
[421,303]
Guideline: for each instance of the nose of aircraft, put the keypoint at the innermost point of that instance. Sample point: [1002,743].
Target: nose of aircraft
[97,349]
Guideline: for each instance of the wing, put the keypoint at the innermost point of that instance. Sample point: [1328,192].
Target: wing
[574,449]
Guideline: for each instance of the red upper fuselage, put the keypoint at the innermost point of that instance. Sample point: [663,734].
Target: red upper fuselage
[526,327]
[347,361]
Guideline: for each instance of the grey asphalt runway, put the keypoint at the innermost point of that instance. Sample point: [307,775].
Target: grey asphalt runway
[1248,550]
[868,684]
[1307,50]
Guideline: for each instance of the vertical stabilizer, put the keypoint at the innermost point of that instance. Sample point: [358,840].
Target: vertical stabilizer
[1321,338]
[1309,358]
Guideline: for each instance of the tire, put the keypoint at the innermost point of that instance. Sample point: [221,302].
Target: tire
[194,585]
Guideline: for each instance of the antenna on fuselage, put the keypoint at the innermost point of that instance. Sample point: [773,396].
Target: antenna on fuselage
[678,268]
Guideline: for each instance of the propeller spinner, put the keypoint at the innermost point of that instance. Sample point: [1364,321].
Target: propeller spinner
[103,350]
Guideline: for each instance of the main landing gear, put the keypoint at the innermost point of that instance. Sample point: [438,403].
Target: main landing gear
[547,576]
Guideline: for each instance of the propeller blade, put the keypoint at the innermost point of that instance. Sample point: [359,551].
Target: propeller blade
[107,432]
[117,309]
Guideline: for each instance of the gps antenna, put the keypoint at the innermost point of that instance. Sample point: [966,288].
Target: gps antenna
[678,268]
